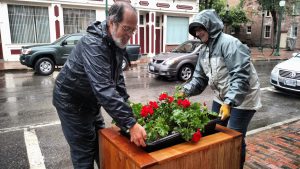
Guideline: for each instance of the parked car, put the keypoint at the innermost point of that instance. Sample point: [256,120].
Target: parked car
[44,57]
[286,75]
[179,63]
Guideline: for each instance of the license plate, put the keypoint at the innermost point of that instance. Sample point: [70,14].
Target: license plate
[151,68]
[290,82]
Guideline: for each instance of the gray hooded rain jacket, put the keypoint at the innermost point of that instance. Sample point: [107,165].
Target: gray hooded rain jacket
[224,64]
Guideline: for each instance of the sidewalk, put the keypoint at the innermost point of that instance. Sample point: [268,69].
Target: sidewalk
[275,148]
[256,54]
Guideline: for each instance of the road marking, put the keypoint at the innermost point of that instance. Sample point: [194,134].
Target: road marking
[33,126]
[272,126]
[34,154]
[270,88]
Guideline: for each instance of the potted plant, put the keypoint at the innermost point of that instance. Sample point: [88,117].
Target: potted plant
[173,119]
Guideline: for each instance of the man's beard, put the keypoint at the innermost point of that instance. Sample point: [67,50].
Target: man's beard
[118,41]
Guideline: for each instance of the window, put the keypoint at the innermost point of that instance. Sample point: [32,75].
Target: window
[268,14]
[28,24]
[248,30]
[141,19]
[232,31]
[177,29]
[77,20]
[157,21]
[294,31]
[296,8]
[267,31]
[73,40]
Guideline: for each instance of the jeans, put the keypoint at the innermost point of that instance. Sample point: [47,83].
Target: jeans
[239,120]
[80,126]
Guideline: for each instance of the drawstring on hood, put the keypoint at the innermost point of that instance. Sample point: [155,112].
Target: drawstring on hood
[208,19]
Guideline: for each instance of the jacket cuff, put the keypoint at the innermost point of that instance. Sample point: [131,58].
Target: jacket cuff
[130,124]
[229,102]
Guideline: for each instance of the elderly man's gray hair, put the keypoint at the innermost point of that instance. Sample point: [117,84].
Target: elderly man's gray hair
[116,11]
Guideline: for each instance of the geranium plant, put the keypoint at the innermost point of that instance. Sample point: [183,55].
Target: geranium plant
[172,113]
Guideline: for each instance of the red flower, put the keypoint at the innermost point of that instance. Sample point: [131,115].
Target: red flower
[196,136]
[154,104]
[146,110]
[163,96]
[204,104]
[184,103]
[171,99]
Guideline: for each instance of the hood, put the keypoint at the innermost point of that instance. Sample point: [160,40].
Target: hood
[169,55]
[98,28]
[208,19]
[39,45]
[291,64]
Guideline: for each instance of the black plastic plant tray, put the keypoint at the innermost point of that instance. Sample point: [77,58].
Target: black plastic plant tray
[174,138]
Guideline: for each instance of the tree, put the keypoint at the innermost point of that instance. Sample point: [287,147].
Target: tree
[273,7]
[234,16]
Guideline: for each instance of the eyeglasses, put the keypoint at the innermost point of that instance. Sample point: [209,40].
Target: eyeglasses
[128,29]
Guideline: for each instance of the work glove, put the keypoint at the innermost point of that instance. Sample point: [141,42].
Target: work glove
[181,94]
[224,112]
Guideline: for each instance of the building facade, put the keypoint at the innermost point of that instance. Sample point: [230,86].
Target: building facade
[258,31]
[161,23]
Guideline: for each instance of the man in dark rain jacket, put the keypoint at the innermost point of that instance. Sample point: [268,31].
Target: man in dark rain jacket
[91,78]
[224,64]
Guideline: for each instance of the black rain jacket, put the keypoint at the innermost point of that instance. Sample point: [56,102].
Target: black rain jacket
[92,76]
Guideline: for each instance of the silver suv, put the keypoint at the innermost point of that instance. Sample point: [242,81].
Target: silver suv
[179,63]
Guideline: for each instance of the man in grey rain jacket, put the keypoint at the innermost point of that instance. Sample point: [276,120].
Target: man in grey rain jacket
[224,64]
[91,78]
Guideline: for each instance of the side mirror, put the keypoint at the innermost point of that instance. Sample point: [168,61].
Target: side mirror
[64,43]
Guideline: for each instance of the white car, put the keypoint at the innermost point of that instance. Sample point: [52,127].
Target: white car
[286,75]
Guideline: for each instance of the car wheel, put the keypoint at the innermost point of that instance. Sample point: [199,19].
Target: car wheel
[44,66]
[185,72]
[125,64]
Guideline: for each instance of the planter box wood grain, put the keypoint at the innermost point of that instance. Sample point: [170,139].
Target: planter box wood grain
[221,150]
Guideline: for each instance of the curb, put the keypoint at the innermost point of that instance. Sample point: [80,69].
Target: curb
[271,126]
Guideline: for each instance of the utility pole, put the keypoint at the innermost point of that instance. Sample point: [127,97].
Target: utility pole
[281,4]
[106,9]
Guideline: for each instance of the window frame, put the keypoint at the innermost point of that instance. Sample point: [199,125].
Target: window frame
[247,30]
[269,31]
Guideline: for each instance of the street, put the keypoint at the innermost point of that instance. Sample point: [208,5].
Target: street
[29,124]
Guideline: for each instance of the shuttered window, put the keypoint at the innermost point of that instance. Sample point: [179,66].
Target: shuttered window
[177,29]
[29,24]
[77,20]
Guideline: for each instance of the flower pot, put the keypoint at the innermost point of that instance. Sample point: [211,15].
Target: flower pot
[116,151]
[174,138]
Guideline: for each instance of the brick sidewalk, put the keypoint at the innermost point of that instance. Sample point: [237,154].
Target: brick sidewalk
[276,148]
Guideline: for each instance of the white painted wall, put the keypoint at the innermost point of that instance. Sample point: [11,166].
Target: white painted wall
[99,6]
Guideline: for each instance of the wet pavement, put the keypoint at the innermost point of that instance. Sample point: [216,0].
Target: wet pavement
[26,104]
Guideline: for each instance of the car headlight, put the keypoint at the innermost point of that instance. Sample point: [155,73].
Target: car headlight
[169,62]
[275,70]
[26,51]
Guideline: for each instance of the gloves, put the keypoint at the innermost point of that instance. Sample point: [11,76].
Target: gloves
[181,94]
[224,112]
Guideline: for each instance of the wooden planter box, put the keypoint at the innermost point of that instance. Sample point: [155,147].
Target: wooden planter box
[221,150]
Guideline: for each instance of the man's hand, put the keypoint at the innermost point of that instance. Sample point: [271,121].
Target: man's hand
[224,111]
[138,135]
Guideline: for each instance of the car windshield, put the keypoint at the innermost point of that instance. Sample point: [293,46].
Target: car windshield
[187,47]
